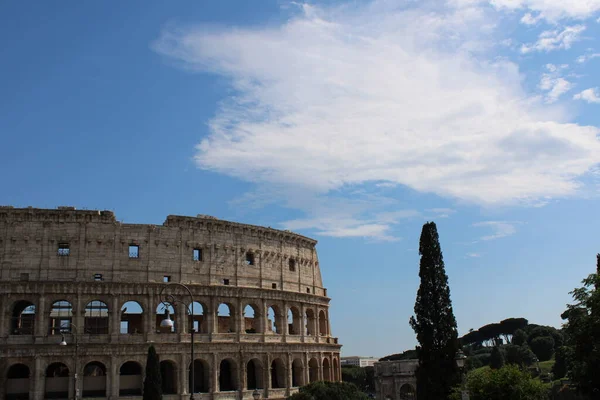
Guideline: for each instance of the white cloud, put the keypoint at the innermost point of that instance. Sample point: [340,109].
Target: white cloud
[555,39]
[553,10]
[473,255]
[499,229]
[586,57]
[553,84]
[529,19]
[340,97]
[441,212]
[590,95]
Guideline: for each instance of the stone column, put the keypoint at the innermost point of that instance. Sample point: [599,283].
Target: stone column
[320,369]
[150,315]
[40,319]
[242,375]
[289,371]
[36,391]
[303,322]
[3,314]
[181,319]
[214,377]
[115,322]
[306,369]
[240,321]
[267,375]
[328,322]
[112,383]
[184,374]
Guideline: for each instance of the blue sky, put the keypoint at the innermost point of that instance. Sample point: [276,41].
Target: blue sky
[350,122]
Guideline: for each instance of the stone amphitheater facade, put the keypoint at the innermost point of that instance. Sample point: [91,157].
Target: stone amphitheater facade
[260,312]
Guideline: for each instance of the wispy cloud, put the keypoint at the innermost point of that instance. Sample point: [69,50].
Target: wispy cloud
[354,95]
[499,229]
[587,57]
[441,212]
[472,255]
[590,95]
[555,39]
[553,83]
[553,10]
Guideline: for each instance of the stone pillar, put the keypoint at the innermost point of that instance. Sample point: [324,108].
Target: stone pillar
[112,383]
[115,322]
[240,321]
[36,392]
[184,374]
[284,320]
[328,322]
[40,319]
[288,373]
[306,369]
[3,314]
[181,319]
[320,369]
[242,375]
[214,377]
[267,375]
[150,315]
[79,316]
[303,321]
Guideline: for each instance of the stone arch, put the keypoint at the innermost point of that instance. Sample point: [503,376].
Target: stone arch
[274,318]
[23,318]
[201,377]
[130,379]
[94,379]
[278,371]
[60,317]
[254,374]
[168,374]
[326,369]
[197,320]
[56,383]
[407,392]
[336,370]
[310,322]
[96,318]
[322,323]
[227,375]
[132,318]
[17,382]
[251,316]
[164,311]
[297,372]
[294,321]
[225,318]
[313,370]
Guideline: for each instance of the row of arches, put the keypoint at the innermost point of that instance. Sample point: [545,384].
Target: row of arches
[96,319]
[57,377]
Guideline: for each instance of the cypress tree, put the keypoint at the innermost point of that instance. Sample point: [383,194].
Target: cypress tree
[153,380]
[434,322]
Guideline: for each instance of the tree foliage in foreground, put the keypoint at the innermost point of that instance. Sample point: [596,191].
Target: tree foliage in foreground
[506,383]
[496,358]
[329,391]
[153,380]
[434,322]
[362,377]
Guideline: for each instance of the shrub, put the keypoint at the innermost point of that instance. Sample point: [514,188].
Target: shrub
[543,347]
[329,391]
[496,358]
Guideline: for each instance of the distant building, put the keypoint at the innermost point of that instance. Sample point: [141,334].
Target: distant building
[358,361]
[395,380]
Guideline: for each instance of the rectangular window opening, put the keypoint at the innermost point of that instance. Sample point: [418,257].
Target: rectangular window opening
[134,251]
[167,278]
[225,281]
[197,255]
[63,249]
[98,277]
[249,258]
[307,290]
[274,286]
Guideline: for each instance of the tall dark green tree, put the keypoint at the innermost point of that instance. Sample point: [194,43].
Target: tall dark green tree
[153,381]
[434,322]
[496,358]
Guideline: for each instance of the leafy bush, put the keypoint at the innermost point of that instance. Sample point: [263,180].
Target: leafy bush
[543,347]
[519,337]
[329,391]
[496,358]
[563,357]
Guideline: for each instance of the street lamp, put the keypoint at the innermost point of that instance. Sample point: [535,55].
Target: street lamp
[256,394]
[63,342]
[171,299]
[460,363]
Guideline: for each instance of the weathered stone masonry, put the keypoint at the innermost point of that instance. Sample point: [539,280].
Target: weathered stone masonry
[261,313]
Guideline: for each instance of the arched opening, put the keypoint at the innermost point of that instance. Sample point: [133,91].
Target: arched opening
[164,311]
[201,377]
[326,370]
[17,382]
[336,370]
[196,317]
[273,320]
[297,373]
[310,322]
[94,380]
[313,370]
[254,374]
[57,381]
[294,321]
[96,318]
[23,318]
[61,315]
[251,319]
[225,318]
[277,374]
[227,374]
[407,392]
[322,323]
[168,374]
[130,379]
[132,318]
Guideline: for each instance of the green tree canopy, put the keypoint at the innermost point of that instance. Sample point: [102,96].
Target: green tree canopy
[519,337]
[543,347]
[329,391]
[496,358]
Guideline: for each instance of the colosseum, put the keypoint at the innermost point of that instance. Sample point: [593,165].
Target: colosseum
[84,296]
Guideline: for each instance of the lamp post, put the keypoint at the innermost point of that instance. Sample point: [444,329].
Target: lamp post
[63,342]
[460,363]
[171,299]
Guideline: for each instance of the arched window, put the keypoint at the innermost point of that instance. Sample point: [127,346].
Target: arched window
[251,319]
[313,370]
[96,318]
[322,323]
[310,322]
[168,373]
[164,311]
[225,318]
[254,374]
[17,382]
[407,392]
[273,320]
[94,380]
[326,370]
[227,376]
[61,315]
[132,318]
[201,377]
[294,321]
[196,316]
[23,318]
[297,373]
[277,374]
[130,379]
[57,381]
